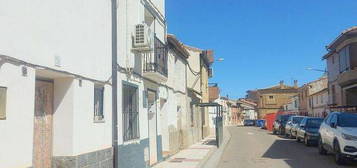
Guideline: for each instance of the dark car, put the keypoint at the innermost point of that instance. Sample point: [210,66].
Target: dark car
[291,124]
[260,123]
[249,122]
[279,124]
[308,130]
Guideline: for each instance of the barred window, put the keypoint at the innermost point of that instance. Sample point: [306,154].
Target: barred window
[98,102]
[130,113]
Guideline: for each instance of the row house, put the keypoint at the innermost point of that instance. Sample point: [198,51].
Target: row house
[341,61]
[272,99]
[198,73]
[55,71]
[247,109]
[313,98]
[56,85]
[292,106]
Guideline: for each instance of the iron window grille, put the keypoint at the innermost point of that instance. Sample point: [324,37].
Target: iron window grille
[130,113]
[98,102]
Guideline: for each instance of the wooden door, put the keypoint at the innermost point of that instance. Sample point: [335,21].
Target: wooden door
[43,122]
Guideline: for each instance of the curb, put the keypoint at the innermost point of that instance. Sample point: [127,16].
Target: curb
[213,157]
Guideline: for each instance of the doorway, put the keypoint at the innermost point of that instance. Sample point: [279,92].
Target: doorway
[43,123]
[152,117]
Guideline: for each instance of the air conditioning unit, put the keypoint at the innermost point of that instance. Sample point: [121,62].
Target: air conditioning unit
[142,37]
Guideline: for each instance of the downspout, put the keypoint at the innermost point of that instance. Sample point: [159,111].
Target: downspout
[114,85]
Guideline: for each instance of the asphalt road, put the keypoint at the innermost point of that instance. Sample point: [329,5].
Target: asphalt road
[251,147]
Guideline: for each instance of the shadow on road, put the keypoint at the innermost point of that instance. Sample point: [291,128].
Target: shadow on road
[297,155]
[212,142]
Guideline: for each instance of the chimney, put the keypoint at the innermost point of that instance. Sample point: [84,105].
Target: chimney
[281,84]
[296,84]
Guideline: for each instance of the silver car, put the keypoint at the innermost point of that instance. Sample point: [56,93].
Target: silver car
[292,125]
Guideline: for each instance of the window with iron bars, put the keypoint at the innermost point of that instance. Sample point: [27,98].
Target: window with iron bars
[98,102]
[130,113]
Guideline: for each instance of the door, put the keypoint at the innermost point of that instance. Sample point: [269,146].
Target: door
[152,117]
[43,121]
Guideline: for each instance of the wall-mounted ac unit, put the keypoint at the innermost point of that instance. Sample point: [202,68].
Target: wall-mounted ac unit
[142,37]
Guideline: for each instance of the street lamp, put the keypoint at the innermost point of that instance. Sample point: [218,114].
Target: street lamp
[220,59]
[313,69]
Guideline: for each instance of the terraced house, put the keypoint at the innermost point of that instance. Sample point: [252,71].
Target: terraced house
[56,97]
[341,62]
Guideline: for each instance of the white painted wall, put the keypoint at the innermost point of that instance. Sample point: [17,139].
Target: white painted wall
[193,81]
[89,135]
[175,95]
[17,130]
[76,34]
[75,31]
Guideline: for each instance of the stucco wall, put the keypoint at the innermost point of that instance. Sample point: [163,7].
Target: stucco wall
[70,31]
[17,129]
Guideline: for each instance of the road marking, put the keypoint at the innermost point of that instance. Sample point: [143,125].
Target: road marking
[250,133]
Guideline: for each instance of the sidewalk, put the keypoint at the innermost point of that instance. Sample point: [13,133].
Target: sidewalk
[192,157]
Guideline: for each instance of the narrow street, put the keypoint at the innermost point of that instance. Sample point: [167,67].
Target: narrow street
[252,147]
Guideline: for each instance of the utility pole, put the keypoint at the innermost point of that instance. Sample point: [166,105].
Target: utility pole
[114,85]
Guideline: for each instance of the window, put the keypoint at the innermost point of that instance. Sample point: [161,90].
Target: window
[333,59]
[130,112]
[321,99]
[98,102]
[344,59]
[271,97]
[2,103]
[333,119]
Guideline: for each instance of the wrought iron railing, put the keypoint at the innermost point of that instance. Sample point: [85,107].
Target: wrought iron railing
[156,61]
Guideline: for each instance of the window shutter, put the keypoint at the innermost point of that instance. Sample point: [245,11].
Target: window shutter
[2,103]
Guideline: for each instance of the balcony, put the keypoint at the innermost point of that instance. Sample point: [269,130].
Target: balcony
[347,78]
[155,63]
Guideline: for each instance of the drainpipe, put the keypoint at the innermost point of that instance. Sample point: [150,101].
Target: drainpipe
[114,85]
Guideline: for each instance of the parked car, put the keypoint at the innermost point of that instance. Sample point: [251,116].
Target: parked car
[339,136]
[249,123]
[294,129]
[260,123]
[308,130]
[279,124]
[292,123]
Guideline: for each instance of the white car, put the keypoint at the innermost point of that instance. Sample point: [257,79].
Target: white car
[338,135]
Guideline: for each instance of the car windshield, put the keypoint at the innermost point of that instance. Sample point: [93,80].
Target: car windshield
[314,123]
[347,120]
[284,118]
[297,120]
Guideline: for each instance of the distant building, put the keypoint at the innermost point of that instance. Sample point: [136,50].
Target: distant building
[247,109]
[341,62]
[293,105]
[272,99]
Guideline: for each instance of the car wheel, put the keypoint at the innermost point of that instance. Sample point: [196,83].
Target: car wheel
[340,160]
[274,132]
[322,150]
[306,141]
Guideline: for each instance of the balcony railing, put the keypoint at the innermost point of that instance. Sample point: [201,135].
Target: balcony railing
[156,62]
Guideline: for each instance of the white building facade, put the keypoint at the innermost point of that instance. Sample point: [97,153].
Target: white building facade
[57,111]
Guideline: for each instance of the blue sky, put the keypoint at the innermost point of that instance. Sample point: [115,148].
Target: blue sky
[262,41]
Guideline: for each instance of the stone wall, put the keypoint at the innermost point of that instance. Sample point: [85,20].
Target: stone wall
[98,159]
